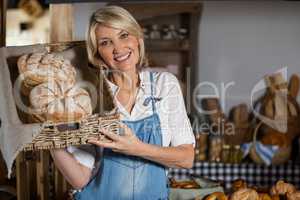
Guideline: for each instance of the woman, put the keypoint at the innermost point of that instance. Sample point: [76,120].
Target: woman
[156,131]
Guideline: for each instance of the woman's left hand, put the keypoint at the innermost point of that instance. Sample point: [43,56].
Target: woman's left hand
[126,143]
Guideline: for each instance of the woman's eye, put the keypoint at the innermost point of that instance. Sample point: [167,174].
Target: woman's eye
[124,35]
[104,43]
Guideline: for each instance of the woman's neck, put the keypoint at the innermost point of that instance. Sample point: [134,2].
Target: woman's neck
[126,80]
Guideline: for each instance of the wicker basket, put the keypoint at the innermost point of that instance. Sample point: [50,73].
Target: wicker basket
[281,156]
[61,135]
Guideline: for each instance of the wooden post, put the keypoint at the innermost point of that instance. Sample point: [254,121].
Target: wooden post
[61,22]
[22,178]
[3,6]
[42,175]
[61,30]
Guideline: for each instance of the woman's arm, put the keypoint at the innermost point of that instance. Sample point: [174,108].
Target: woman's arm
[181,156]
[75,173]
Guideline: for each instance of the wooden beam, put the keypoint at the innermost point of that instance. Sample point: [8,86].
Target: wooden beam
[148,10]
[3,8]
[61,22]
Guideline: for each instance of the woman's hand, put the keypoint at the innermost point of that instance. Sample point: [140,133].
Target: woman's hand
[181,156]
[126,142]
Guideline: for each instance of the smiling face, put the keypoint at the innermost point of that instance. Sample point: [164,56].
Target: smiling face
[118,48]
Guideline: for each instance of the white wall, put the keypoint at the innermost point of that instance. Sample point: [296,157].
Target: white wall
[243,41]
[82,13]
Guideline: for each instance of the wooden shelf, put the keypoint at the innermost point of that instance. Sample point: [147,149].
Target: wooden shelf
[167,45]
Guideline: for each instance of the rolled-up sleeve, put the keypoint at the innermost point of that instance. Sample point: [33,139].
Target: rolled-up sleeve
[84,154]
[176,124]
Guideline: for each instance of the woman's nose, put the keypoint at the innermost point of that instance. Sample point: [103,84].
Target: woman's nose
[117,48]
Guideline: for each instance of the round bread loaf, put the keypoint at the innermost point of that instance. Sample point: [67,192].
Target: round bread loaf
[37,68]
[59,102]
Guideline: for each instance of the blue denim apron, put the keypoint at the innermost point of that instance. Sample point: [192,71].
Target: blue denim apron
[124,177]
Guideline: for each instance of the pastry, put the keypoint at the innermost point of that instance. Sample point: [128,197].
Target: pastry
[216,196]
[282,188]
[293,196]
[264,196]
[190,184]
[238,184]
[37,68]
[60,102]
[245,194]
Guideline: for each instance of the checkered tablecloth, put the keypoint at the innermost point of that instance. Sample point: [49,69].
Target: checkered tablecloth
[253,174]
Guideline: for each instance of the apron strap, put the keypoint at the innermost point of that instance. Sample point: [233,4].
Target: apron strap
[152,92]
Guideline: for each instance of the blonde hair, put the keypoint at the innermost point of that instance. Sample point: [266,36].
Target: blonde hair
[115,17]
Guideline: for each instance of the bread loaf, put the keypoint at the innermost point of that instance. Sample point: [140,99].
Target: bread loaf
[37,68]
[60,102]
[282,188]
[245,194]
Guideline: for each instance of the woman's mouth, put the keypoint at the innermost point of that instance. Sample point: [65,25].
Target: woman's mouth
[123,57]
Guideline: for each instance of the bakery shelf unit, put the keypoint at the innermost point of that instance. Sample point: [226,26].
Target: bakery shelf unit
[171,36]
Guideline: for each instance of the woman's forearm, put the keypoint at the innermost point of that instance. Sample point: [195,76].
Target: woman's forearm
[75,173]
[181,156]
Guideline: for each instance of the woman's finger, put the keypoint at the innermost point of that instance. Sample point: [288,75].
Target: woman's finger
[109,134]
[111,145]
[124,129]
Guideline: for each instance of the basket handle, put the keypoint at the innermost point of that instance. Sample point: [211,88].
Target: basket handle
[68,127]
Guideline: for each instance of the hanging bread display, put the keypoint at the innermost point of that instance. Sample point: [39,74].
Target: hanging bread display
[59,102]
[37,68]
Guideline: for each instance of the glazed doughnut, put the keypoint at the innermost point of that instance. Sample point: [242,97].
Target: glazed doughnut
[282,188]
[216,196]
[245,194]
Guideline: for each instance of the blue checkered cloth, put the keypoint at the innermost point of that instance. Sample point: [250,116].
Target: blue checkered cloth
[253,174]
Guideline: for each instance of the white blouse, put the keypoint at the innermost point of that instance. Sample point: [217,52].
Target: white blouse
[175,125]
